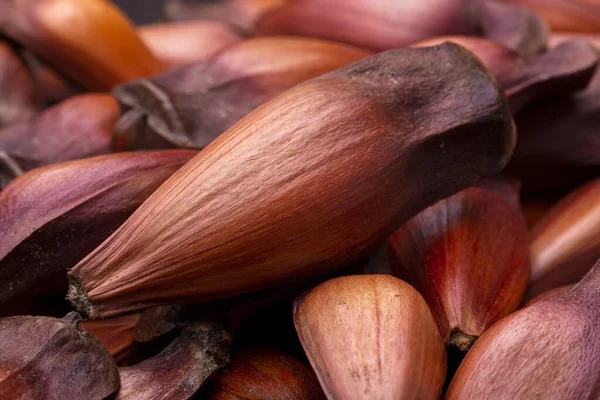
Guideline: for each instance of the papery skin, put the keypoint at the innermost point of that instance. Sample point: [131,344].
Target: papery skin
[116,335]
[241,14]
[371,337]
[564,69]
[74,206]
[177,44]
[307,183]
[178,371]
[18,100]
[261,373]
[557,291]
[191,106]
[566,243]
[387,24]
[88,41]
[548,350]
[566,15]
[50,358]
[468,255]
[76,128]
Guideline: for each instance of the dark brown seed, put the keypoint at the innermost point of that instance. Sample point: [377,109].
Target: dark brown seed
[558,147]
[50,358]
[74,206]
[191,106]
[76,128]
[178,371]
[564,69]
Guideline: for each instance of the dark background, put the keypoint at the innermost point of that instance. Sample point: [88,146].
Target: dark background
[143,11]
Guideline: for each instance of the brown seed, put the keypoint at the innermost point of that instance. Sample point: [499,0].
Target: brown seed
[178,371]
[307,183]
[371,337]
[261,373]
[88,41]
[564,69]
[74,206]
[18,100]
[388,24]
[50,358]
[177,44]
[468,256]
[548,350]
[115,334]
[241,14]
[566,243]
[191,106]
[76,128]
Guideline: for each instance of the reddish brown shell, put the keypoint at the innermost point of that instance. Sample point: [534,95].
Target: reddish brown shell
[262,373]
[88,41]
[548,350]
[468,256]
[371,337]
[566,243]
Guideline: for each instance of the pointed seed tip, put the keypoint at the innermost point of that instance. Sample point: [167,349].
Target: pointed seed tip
[460,340]
[78,296]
